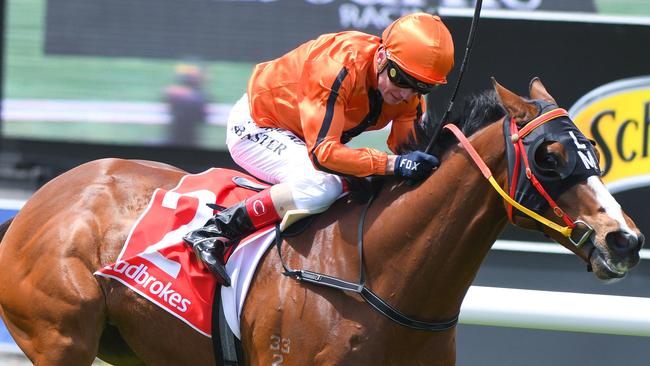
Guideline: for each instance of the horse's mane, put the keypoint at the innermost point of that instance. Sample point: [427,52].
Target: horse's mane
[472,114]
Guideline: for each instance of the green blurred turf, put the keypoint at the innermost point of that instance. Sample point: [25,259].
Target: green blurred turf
[32,74]
[210,136]
[624,7]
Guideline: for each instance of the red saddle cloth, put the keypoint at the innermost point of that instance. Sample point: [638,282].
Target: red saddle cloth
[157,264]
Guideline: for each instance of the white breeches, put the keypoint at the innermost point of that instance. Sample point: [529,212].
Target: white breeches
[277,156]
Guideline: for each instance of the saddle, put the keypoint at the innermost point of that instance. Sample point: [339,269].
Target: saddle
[359,190]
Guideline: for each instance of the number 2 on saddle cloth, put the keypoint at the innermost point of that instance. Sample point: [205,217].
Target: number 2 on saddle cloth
[157,264]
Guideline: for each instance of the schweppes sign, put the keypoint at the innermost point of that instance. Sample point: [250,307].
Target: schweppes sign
[617,117]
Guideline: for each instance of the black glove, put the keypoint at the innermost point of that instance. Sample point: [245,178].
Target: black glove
[416,165]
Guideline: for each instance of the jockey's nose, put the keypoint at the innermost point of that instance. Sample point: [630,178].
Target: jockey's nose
[406,93]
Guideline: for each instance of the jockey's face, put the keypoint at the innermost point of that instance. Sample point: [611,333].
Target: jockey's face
[392,93]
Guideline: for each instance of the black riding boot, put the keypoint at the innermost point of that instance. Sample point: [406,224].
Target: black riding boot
[221,231]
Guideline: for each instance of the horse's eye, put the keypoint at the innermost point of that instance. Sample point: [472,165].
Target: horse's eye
[551,161]
[547,161]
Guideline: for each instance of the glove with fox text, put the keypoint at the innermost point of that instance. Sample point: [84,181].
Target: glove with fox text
[416,165]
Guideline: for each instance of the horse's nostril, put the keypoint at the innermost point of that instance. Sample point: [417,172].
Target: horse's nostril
[621,241]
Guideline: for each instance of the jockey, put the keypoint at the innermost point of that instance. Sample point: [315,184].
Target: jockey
[291,127]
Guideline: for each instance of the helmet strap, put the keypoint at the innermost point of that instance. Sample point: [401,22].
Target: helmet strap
[381,59]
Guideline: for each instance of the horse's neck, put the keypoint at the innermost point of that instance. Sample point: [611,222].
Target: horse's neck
[440,232]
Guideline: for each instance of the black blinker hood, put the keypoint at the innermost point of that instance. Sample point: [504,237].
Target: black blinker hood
[580,165]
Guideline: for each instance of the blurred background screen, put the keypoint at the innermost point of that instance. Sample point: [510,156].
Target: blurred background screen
[155,80]
[165,72]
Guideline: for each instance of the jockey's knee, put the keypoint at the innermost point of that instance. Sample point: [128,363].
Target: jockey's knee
[317,193]
[310,193]
[304,196]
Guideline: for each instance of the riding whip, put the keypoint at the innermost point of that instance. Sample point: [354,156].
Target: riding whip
[468,47]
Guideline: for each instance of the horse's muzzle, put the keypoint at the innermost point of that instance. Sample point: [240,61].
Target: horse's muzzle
[620,254]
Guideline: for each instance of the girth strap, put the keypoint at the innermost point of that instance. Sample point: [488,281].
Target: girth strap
[228,350]
[360,288]
[233,354]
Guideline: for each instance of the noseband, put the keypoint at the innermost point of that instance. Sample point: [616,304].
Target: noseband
[529,192]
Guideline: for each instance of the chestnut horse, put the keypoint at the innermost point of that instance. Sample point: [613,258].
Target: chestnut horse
[423,247]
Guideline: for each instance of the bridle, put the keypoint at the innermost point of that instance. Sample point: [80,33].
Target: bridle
[576,231]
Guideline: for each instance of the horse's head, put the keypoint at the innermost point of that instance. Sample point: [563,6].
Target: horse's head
[553,171]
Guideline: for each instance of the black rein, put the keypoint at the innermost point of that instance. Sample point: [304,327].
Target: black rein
[360,288]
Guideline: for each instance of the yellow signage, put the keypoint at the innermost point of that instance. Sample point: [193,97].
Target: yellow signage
[617,117]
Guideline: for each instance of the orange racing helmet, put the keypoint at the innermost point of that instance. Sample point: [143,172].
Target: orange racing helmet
[420,51]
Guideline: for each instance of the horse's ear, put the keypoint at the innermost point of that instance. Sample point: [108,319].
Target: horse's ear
[538,91]
[516,106]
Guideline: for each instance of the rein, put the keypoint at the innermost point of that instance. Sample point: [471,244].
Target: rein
[360,287]
[468,48]
[516,138]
